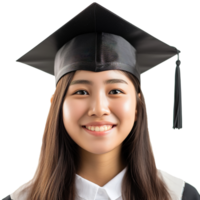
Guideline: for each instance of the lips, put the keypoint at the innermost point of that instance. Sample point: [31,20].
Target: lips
[102,125]
[99,123]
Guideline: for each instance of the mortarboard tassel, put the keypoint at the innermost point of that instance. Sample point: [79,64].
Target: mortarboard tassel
[177,120]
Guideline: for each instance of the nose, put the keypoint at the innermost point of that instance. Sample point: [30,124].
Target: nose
[99,105]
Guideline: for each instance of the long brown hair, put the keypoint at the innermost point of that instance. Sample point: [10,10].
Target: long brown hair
[54,178]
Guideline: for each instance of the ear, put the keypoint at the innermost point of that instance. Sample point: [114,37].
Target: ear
[51,98]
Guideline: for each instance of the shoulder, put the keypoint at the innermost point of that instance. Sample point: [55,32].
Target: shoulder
[7,198]
[190,193]
[178,188]
[21,191]
[175,185]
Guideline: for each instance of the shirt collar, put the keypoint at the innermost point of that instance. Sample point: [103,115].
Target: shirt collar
[89,190]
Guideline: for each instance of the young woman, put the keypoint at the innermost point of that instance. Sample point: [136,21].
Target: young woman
[96,142]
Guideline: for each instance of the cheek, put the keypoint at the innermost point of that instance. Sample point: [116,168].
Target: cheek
[72,112]
[124,108]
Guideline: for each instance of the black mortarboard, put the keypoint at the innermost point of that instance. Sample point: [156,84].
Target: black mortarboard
[97,40]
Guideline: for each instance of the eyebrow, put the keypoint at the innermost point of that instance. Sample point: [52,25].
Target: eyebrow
[109,81]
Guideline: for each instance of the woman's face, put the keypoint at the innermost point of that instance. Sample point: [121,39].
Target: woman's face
[99,101]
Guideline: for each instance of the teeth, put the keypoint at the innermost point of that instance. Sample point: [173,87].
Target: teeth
[99,128]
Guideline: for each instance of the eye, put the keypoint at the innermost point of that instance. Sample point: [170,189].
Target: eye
[111,90]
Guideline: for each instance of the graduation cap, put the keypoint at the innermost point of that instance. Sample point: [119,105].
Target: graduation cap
[97,40]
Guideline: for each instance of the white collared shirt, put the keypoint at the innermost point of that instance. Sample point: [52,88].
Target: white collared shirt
[87,190]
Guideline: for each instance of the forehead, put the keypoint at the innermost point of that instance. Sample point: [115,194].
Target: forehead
[99,76]
[104,77]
